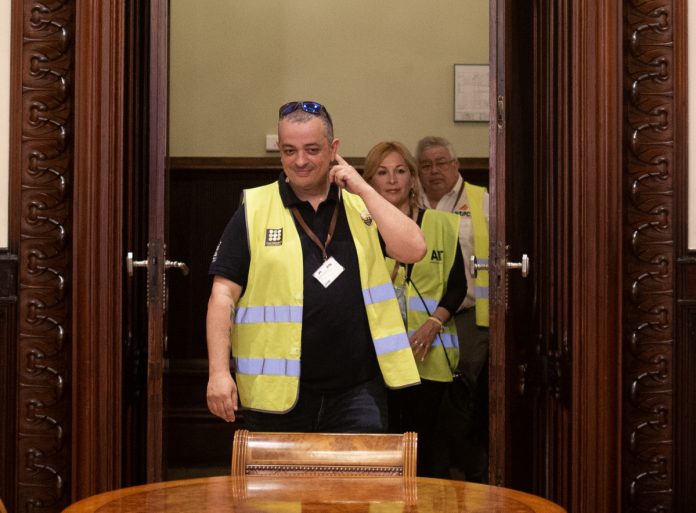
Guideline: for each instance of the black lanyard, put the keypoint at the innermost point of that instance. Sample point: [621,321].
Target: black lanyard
[312,235]
[459,195]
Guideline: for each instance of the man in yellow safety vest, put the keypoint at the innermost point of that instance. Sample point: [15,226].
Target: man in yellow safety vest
[301,295]
[443,188]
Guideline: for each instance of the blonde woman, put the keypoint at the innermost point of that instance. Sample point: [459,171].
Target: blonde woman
[429,292]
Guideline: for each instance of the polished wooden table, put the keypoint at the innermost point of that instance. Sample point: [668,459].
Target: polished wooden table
[276,494]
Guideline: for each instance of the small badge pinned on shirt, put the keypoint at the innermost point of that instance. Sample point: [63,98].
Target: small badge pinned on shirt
[274,237]
[328,272]
[463,210]
[366,217]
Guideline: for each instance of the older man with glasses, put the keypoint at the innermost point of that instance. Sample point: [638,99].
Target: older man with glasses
[443,188]
[302,296]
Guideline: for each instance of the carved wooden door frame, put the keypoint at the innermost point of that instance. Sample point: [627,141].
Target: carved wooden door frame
[627,126]
[66,167]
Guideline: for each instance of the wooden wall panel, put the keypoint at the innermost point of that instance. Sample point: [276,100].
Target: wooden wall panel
[685,403]
[204,193]
[550,355]
[8,391]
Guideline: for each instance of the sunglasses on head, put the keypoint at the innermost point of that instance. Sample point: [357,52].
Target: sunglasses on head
[312,107]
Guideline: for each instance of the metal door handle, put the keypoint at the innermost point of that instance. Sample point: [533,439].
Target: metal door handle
[130,263]
[523,265]
[168,264]
[476,267]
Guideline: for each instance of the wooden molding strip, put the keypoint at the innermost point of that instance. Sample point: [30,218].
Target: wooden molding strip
[249,163]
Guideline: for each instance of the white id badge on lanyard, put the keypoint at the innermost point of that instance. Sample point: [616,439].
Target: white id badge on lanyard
[328,272]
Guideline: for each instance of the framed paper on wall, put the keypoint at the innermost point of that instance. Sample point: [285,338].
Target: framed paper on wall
[471,92]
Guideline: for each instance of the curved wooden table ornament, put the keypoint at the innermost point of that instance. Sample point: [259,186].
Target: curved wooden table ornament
[280,494]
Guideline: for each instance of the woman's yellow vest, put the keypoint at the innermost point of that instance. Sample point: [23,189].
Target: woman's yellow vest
[267,332]
[425,289]
[475,194]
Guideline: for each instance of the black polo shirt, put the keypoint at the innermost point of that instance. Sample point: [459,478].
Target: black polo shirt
[337,349]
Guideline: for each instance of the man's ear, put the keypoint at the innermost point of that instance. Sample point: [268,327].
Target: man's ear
[334,148]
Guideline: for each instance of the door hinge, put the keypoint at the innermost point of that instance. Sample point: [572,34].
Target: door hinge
[500,112]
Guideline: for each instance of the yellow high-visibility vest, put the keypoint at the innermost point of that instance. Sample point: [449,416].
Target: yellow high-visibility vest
[267,333]
[426,287]
[475,195]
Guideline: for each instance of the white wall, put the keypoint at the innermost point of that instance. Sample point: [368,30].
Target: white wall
[5,10]
[384,70]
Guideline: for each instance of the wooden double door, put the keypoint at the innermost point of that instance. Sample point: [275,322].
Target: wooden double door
[530,350]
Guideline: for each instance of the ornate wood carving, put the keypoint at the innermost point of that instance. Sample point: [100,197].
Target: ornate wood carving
[649,104]
[44,168]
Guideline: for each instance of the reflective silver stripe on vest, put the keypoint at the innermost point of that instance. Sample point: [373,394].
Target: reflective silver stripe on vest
[482,261]
[449,340]
[378,293]
[279,313]
[481,293]
[268,366]
[416,305]
[391,343]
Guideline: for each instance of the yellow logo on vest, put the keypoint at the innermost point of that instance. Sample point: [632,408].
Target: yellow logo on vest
[366,217]
[437,255]
[274,237]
